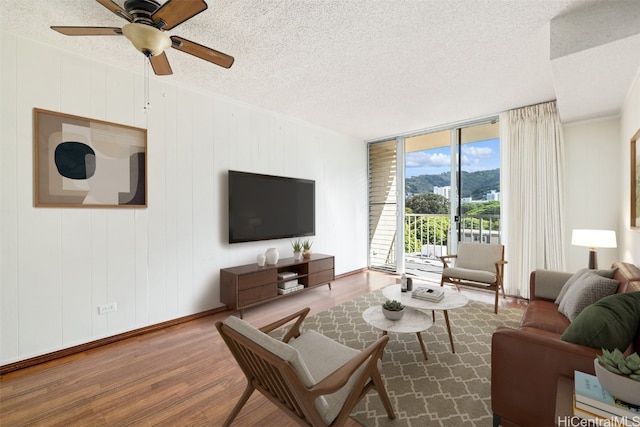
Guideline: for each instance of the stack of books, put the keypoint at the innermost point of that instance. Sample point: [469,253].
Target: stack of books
[287,275]
[289,284]
[594,403]
[282,291]
[428,294]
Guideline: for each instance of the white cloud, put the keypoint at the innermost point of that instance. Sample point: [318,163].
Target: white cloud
[477,152]
[422,159]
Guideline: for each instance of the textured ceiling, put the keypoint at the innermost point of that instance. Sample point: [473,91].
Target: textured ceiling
[374,68]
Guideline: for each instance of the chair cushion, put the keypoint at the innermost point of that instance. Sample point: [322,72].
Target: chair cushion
[281,349]
[604,273]
[479,256]
[472,275]
[322,356]
[586,290]
[609,323]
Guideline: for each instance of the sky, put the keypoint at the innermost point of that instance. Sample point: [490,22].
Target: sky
[476,156]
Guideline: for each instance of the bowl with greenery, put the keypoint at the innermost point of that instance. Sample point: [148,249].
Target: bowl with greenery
[393,310]
[619,374]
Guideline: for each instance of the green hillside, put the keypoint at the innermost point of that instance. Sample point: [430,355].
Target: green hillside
[474,184]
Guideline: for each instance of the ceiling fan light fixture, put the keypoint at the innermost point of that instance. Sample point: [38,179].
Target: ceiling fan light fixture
[147,39]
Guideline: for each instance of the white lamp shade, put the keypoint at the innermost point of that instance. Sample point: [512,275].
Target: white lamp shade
[594,238]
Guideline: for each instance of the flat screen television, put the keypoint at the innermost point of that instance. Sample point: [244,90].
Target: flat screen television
[265,207]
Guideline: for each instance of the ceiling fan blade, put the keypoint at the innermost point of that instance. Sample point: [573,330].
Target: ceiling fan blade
[160,64]
[115,8]
[175,12]
[89,31]
[202,52]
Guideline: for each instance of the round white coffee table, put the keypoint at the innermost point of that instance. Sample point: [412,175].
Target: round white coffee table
[413,321]
[452,300]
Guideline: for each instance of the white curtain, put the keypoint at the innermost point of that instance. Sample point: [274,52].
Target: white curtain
[532,181]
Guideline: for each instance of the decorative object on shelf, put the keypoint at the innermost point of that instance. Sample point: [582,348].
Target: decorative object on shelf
[393,310]
[262,258]
[81,162]
[272,255]
[619,375]
[297,249]
[306,248]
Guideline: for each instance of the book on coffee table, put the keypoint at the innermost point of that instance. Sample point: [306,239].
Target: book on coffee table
[592,397]
[427,293]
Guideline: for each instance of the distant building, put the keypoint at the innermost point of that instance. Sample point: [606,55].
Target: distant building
[442,191]
[493,196]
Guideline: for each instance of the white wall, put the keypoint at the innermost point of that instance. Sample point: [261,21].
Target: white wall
[160,263]
[591,192]
[628,239]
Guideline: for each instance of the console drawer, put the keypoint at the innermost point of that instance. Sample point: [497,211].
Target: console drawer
[321,278]
[320,265]
[257,279]
[257,294]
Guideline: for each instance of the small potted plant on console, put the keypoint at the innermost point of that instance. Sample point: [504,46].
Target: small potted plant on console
[306,248]
[297,249]
[393,310]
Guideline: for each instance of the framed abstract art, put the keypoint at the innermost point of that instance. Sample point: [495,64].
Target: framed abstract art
[81,162]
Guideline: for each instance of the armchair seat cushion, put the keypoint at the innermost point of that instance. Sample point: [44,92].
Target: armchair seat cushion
[322,356]
[277,347]
[481,276]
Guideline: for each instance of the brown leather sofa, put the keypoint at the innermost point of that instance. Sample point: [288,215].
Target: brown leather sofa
[526,362]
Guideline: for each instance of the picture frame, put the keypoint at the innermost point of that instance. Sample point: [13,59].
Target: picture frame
[635,182]
[81,162]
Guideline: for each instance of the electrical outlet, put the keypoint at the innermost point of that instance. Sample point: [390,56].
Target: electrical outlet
[107,308]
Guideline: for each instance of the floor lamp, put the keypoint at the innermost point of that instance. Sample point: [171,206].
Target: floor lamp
[594,239]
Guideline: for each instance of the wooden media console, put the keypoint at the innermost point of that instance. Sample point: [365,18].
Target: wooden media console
[249,285]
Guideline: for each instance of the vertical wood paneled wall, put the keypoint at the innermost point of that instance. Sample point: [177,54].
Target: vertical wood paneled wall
[160,263]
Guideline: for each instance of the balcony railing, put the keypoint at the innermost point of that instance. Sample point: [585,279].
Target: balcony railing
[428,235]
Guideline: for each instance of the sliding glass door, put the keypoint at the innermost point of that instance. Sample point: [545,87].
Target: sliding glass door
[452,193]
[478,171]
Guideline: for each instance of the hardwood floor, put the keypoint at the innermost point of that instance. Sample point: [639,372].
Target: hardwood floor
[180,376]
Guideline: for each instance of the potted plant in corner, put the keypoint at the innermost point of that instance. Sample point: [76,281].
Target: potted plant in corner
[306,248]
[297,249]
[393,310]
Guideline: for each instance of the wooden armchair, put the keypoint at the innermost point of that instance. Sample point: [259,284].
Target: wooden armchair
[315,380]
[477,265]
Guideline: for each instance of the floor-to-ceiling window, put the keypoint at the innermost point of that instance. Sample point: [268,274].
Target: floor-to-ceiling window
[451,193]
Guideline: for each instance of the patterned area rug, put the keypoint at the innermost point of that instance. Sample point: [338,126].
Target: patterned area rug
[446,390]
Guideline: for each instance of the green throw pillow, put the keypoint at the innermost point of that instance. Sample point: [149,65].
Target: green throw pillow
[610,323]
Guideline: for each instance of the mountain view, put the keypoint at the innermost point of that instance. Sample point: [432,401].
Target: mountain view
[474,184]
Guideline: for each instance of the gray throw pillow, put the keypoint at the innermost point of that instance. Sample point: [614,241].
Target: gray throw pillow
[586,290]
[609,274]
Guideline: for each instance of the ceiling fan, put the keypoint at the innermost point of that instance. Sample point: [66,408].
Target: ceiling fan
[148,21]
